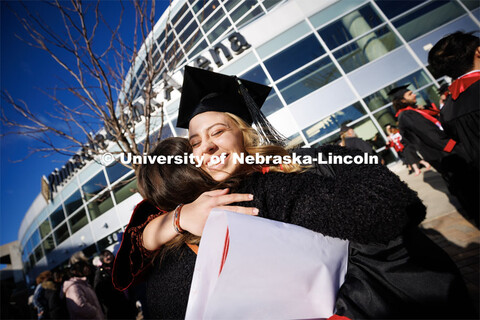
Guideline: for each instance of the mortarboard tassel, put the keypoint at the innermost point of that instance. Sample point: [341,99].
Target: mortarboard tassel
[263,126]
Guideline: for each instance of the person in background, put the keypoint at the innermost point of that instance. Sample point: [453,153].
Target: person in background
[116,304]
[445,154]
[89,271]
[444,92]
[81,300]
[352,141]
[458,56]
[39,301]
[405,150]
[55,305]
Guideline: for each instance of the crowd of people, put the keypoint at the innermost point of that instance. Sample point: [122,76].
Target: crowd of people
[82,291]
[394,270]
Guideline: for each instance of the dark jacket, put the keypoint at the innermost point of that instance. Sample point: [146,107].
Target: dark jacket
[56,307]
[115,304]
[461,120]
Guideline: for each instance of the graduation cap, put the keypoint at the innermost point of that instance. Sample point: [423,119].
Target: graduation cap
[398,92]
[344,127]
[205,90]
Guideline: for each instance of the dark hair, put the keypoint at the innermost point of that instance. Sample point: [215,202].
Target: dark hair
[453,55]
[167,185]
[399,104]
[78,269]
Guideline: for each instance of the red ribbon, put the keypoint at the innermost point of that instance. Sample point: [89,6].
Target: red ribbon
[461,84]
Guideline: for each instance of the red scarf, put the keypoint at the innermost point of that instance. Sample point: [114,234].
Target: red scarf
[461,84]
[424,114]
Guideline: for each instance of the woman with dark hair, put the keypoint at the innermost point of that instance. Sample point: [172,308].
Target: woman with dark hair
[393,269]
[81,300]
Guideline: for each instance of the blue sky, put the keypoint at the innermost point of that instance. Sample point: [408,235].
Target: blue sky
[26,72]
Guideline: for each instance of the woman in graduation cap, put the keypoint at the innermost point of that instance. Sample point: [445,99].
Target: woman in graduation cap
[393,269]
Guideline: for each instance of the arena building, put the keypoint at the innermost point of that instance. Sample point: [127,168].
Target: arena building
[328,62]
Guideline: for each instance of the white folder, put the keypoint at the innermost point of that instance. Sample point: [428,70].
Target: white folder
[254,268]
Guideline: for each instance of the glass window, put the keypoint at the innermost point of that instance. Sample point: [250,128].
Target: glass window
[198,5]
[392,8]
[78,221]
[45,228]
[294,57]
[61,234]
[350,26]
[253,14]
[272,104]
[269,4]
[471,4]
[427,96]
[230,4]
[286,37]
[213,20]
[242,9]
[367,131]
[295,141]
[332,139]
[100,205]
[125,189]
[380,98]
[427,18]
[207,10]
[188,31]
[256,75]
[35,238]
[368,48]
[57,217]
[198,49]
[190,43]
[38,253]
[385,116]
[116,171]
[48,244]
[219,30]
[94,186]
[333,12]
[180,12]
[73,202]
[181,25]
[308,80]
[333,122]
[32,259]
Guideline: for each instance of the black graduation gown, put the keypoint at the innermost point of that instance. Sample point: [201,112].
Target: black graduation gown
[427,138]
[387,276]
[460,119]
[357,143]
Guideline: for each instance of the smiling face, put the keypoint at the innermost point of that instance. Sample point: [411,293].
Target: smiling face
[213,134]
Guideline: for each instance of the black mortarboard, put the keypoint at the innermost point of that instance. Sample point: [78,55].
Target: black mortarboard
[344,127]
[398,92]
[204,90]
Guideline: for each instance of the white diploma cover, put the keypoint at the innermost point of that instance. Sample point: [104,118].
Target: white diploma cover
[254,268]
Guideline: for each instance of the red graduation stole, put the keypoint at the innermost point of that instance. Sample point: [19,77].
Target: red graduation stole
[424,114]
[461,84]
[450,144]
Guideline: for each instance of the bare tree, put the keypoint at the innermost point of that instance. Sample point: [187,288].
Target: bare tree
[102,80]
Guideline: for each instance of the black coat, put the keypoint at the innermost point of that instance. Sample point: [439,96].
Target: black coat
[116,304]
[393,270]
[461,120]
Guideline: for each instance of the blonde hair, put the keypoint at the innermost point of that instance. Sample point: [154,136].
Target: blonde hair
[254,144]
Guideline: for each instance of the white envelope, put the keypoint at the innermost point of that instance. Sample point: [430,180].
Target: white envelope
[269,270]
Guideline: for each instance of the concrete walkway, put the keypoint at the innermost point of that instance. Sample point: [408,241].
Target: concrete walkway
[446,226]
